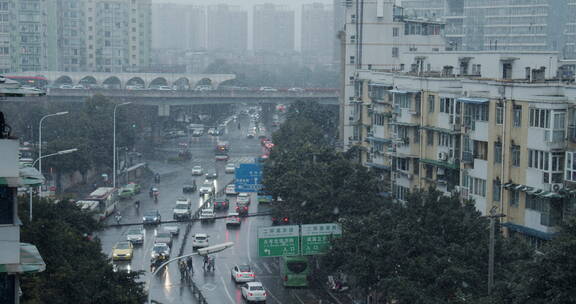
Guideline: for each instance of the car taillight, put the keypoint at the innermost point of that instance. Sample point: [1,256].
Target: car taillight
[285,220]
[238,275]
[264,294]
[250,294]
[252,275]
[285,278]
[245,208]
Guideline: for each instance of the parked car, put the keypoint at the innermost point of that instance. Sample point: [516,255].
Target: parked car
[242,273]
[253,292]
[221,203]
[122,251]
[200,240]
[230,168]
[135,235]
[151,217]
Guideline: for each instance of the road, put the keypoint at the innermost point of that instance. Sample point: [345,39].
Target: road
[217,286]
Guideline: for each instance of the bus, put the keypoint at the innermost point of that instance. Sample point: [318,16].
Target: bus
[90,206]
[107,201]
[295,271]
[264,197]
[31,81]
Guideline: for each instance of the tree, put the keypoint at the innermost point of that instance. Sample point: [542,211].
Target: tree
[550,276]
[76,270]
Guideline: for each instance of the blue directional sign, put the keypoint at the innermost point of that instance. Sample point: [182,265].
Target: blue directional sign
[248,178]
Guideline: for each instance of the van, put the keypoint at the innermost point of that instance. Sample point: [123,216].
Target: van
[207,214]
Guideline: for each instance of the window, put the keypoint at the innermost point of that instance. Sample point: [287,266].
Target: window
[477,186]
[538,159]
[498,152]
[496,189]
[352,59]
[395,32]
[444,139]
[402,100]
[517,116]
[430,137]
[395,52]
[378,119]
[515,151]
[431,101]
[539,118]
[499,115]
[514,198]
[400,193]
[429,169]
[402,164]
[416,135]
[446,105]
[480,150]
[571,166]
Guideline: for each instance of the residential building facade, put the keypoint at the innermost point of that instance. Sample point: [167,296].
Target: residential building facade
[178,26]
[227,27]
[273,28]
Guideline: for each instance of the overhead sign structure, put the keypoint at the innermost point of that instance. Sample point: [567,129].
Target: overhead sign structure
[279,241]
[316,238]
[248,178]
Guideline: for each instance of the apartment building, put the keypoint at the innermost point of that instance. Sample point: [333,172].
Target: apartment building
[227,27]
[66,35]
[29,39]
[375,35]
[16,258]
[178,26]
[317,23]
[493,127]
[536,25]
[273,28]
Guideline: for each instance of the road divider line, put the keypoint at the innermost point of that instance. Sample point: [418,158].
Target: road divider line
[248,239]
[297,297]
[267,268]
[226,290]
[273,297]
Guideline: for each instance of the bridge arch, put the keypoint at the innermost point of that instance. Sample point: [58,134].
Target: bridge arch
[204,81]
[136,81]
[112,82]
[229,82]
[182,83]
[64,79]
[158,81]
[88,81]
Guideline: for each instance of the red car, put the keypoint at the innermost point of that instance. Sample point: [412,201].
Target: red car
[221,204]
[242,209]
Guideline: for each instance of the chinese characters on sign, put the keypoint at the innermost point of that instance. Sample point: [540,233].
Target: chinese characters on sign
[316,238]
[248,178]
[290,240]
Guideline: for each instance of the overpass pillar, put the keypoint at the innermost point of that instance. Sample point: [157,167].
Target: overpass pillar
[164,110]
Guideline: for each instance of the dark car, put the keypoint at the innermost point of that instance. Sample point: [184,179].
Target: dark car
[151,217]
[280,220]
[189,188]
[242,209]
[211,175]
[221,203]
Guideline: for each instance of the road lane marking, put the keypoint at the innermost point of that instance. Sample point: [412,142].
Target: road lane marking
[248,240]
[273,297]
[226,290]
[267,268]
[297,297]
[257,267]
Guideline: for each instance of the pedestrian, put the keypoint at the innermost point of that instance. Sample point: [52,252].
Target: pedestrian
[190,264]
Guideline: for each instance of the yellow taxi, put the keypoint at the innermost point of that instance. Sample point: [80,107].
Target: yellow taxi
[122,251]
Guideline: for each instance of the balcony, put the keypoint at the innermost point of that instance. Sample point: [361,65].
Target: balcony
[9,162]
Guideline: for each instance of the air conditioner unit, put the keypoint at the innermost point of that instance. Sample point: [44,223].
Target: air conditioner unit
[369,107]
[556,187]
[409,176]
[442,156]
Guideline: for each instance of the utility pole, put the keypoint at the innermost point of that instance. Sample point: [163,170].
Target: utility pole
[493,216]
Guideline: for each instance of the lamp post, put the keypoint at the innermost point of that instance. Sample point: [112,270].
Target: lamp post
[40,137]
[202,251]
[114,144]
[40,159]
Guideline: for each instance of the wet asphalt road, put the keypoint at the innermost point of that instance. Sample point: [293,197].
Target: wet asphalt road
[217,287]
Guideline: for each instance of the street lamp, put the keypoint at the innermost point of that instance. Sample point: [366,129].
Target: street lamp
[40,137]
[201,251]
[114,145]
[40,159]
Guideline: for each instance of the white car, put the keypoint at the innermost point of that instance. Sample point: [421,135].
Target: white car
[207,187]
[181,211]
[207,214]
[230,168]
[253,292]
[135,235]
[160,248]
[243,198]
[230,190]
[183,201]
[242,273]
[268,89]
[197,170]
[200,240]
[164,88]
[296,90]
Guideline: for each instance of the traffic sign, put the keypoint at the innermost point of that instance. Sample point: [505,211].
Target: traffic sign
[278,241]
[316,238]
[248,178]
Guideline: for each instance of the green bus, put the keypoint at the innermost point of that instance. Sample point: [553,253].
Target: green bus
[295,271]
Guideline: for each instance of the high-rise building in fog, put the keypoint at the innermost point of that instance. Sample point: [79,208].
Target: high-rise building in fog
[66,33]
[227,27]
[119,35]
[28,37]
[178,26]
[338,25]
[316,33]
[273,28]
[507,25]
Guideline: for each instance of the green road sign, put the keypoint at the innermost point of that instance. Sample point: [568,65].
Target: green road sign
[316,238]
[278,241]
